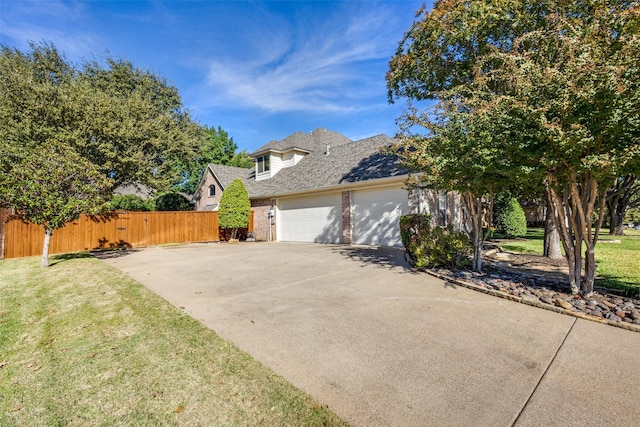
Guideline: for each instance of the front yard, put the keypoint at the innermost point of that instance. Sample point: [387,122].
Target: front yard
[618,257]
[82,344]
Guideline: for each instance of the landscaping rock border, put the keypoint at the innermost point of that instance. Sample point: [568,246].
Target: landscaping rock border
[603,306]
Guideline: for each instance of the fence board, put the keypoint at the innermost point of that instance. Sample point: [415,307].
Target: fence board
[130,229]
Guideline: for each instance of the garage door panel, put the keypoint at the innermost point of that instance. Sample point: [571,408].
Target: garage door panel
[311,219]
[376,215]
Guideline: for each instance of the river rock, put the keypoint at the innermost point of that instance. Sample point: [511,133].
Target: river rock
[564,304]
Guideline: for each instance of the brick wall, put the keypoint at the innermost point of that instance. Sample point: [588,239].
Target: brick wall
[261,219]
[346,217]
[427,201]
[202,198]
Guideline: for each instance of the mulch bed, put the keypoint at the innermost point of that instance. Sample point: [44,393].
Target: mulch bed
[543,282]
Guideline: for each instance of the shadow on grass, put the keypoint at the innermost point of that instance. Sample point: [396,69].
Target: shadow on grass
[58,258]
[112,253]
[617,285]
[382,256]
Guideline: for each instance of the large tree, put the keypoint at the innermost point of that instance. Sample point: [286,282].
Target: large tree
[52,185]
[104,125]
[561,92]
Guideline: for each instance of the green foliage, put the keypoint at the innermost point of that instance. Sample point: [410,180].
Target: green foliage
[216,147]
[508,217]
[52,185]
[544,93]
[131,202]
[433,246]
[127,122]
[241,160]
[235,207]
[172,202]
[70,134]
[633,215]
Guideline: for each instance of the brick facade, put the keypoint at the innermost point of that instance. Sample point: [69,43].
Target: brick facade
[260,208]
[427,201]
[202,199]
[346,217]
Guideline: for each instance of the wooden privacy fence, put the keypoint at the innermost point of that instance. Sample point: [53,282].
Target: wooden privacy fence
[127,229]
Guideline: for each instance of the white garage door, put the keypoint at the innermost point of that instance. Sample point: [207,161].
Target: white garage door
[375,215]
[311,219]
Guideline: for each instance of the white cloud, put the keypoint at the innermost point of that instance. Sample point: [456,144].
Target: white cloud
[26,21]
[320,66]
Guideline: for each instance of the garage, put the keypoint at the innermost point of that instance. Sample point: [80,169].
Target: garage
[316,219]
[375,216]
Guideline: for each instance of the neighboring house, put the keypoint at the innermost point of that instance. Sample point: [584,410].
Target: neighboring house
[139,190]
[323,187]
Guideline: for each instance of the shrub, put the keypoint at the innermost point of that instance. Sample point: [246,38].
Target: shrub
[131,202]
[235,207]
[433,246]
[173,202]
[509,219]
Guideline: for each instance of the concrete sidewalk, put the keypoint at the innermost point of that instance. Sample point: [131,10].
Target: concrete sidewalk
[381,345]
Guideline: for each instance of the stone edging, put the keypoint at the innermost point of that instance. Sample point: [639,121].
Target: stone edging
[534,302]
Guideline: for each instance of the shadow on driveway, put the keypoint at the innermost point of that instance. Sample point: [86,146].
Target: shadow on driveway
[386,257]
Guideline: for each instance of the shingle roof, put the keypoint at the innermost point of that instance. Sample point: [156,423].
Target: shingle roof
[314,141]
[347,162]
[226,174]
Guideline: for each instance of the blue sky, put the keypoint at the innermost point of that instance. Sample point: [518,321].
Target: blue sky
[259,69]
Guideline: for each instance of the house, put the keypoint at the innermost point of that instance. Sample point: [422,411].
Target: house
[323,187]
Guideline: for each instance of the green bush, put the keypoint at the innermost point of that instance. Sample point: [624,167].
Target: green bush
[509,219]
[131,202]
[235,207]
[430,246]
[173,202]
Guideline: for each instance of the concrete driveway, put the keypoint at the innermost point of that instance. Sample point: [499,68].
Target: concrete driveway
[382,345]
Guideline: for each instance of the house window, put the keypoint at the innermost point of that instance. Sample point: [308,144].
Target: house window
[212,190]
[263,164]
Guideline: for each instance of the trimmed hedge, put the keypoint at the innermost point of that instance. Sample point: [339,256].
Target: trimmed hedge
[509,218]
[430,246]
[235,207]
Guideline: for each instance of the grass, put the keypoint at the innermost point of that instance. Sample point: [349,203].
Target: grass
[82,344]
[618,263]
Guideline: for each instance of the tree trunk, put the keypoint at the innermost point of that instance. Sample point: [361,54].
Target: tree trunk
[619,199]
[616,218]
[590,271]
[478,215]
[551,235]
[581,197]
[45,248]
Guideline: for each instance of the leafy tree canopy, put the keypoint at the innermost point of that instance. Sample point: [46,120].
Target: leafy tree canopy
[543,93]
[52,185]
[89,127]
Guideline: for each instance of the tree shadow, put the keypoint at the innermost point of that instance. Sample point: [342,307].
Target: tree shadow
[59,258]
[381,256]
[114,252]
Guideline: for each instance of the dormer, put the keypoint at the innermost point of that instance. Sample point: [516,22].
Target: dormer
[269,162]
[275,155]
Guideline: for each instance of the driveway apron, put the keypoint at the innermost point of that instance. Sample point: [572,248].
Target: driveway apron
[383,345]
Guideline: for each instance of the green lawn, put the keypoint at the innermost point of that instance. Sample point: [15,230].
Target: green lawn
[82,344]
[618,263]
